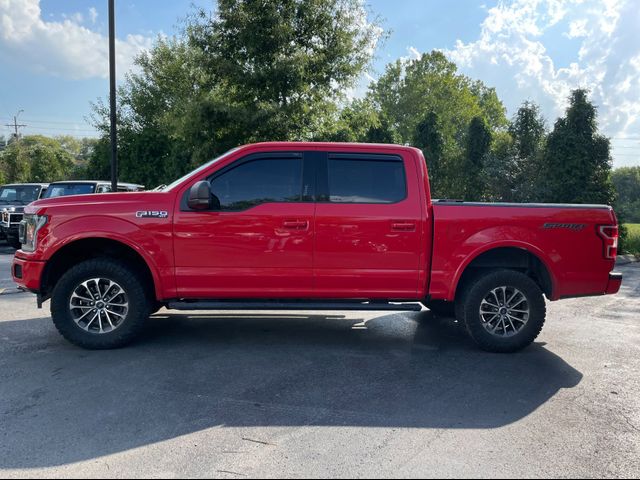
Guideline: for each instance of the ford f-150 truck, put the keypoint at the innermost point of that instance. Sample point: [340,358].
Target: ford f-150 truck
[310,226]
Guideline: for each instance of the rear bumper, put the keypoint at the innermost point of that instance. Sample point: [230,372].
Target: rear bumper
[27,273]
[613,285]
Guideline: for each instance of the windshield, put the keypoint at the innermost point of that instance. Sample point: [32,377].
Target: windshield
[19,195]
[199,169]
[64,189]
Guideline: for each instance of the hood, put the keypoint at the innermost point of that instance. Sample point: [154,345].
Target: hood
[12,207]
[99,202]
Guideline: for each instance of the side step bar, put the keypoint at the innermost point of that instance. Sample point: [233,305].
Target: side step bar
[294,305]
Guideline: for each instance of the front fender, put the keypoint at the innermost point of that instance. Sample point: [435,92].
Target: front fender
[152,244]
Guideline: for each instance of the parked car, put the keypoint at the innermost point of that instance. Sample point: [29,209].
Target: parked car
[83,187]
[311,226]
[13,199]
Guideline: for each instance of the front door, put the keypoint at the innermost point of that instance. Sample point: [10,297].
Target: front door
[258,242]
[368,227]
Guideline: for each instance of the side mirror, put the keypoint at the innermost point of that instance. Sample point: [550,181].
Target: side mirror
[200,196]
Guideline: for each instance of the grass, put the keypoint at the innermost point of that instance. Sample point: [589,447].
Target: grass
[632,244]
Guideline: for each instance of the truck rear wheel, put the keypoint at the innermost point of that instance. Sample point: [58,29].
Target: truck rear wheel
[504,311]
[100,304]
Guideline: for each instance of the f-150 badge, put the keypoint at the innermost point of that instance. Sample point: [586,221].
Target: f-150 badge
[152,214]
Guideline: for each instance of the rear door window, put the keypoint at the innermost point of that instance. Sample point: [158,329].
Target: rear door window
[363,179]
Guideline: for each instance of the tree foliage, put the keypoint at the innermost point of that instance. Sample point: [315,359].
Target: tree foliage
[37,158]
[627,185]
[576,161]
[426,100]
[252,71]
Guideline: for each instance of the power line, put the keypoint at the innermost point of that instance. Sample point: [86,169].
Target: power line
[15,124]
[56,122]
[65,129]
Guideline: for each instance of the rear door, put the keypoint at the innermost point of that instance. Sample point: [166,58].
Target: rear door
[368,226]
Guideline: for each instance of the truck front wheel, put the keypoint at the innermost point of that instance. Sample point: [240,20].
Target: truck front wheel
[100,304]
[504,311]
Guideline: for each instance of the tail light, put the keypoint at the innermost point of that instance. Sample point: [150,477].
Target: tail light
[609,235]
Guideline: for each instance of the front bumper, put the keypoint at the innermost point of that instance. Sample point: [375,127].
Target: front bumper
[613,286]
[27,273]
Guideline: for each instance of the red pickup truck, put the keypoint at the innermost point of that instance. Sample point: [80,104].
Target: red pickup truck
[310,226]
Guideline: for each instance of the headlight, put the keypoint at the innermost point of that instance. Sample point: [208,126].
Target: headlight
[29,228]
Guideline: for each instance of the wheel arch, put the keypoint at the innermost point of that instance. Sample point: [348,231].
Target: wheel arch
[81,249]
[510,256]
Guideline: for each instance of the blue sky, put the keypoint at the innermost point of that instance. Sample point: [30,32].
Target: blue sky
[53,54]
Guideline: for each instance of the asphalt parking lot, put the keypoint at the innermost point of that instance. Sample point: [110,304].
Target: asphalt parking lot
[235,395]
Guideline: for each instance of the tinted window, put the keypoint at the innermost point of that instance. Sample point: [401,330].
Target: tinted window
[62,190]
[366,181]
[259,181]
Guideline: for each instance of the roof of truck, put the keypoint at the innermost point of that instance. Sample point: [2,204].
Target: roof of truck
[31,184]
[108,182]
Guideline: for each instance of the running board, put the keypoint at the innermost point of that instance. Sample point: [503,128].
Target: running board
[294,305]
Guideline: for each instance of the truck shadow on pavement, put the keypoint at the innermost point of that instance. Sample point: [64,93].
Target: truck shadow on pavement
[60,404]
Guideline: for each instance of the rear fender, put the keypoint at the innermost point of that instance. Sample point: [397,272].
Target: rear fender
[481,242]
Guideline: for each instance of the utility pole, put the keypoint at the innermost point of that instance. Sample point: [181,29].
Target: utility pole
[15,124]
[112,96]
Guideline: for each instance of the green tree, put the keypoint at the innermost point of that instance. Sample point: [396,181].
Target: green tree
[15,164]
[576,161]
[48,163]
[528,132]
[478,142]
[36,158]
[626,181]
[500,169]
[513,168]
[427,95]
[251,71]
[355,122]
[429,139]
[409,90]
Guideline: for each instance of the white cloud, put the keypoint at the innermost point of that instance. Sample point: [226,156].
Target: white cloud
[93,14]
[577,28]
[521,53]
[61,48]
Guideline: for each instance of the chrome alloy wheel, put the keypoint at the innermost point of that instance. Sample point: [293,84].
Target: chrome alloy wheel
[504,311]
[99,305]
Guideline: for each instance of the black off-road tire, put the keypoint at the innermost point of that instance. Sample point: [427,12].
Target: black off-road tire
[108,268]
[480,287]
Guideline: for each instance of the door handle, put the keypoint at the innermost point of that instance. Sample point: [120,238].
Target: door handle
[296,224]
[403,226]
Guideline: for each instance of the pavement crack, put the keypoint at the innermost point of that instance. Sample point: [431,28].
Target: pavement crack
[231,473]
[258,441]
